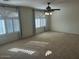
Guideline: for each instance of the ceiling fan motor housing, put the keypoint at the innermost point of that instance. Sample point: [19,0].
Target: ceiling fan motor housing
[49,9]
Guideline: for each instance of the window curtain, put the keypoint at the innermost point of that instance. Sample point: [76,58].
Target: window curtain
[9,24]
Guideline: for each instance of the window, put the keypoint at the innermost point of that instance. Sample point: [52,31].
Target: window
[9,22]
[37,22]
[43,22]
[2,26]
[40,22]
[12,25]
[9,25]
[16,25]
[40,19]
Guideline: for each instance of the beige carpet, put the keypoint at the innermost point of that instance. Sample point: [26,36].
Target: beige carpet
[59,46]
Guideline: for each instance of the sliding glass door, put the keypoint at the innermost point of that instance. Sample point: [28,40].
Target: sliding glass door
[40,21]
[9,24]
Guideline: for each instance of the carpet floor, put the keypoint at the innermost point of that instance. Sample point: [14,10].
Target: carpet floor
[49,45]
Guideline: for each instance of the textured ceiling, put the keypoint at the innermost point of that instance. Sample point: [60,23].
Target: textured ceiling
[37,3]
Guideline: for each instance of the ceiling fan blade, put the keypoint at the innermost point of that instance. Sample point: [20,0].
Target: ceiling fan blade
[55,9]
[43,10]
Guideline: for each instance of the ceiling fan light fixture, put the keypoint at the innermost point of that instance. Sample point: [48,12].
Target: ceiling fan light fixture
[48,13]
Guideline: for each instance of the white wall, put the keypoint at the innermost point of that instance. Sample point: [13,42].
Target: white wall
[48,28]
[26,15]
[67,19]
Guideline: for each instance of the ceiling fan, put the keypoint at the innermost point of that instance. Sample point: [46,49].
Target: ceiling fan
[49,10]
